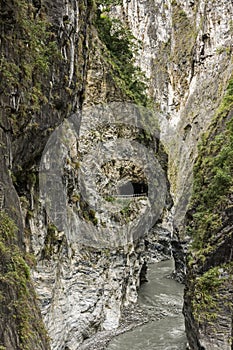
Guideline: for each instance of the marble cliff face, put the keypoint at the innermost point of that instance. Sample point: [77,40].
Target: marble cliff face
[56,71]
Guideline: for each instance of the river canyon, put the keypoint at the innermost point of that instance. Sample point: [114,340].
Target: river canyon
[116,144]
[163,297]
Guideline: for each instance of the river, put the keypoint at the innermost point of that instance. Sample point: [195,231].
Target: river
[162,297]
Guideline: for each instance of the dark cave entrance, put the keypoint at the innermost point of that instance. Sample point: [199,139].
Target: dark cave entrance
[133,188]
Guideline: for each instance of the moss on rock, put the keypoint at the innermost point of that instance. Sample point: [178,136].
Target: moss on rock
[18,310]
[208,295]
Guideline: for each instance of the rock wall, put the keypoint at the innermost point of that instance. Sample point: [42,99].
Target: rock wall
[208,292]
[21,324]
[53,65]
[186,53]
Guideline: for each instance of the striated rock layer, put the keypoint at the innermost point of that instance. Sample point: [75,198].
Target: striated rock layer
[186,50]
[54,64]
[187,54]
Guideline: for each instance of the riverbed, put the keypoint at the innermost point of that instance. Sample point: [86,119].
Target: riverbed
[162,298]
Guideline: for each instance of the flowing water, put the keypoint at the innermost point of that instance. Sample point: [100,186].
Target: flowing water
[163,298]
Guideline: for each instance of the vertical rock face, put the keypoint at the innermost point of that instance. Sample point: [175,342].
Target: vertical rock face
[43,70]
[208,293]
[21,325]
[89,264]
[53,65]
[186,53]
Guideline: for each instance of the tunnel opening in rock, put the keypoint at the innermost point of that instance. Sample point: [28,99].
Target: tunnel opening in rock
[133,188]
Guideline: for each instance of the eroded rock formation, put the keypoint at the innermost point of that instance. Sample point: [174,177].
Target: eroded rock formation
[57,60]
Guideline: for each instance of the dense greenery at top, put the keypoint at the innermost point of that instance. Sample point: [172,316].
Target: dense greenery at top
[122,47]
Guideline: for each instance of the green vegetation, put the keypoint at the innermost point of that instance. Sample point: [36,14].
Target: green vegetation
[213,187]
[28,50]
[16,294]
[145,137]
[92,217]
[206,290]
[122,48]
[50,241]
[213,175]
[125,211]
[87,213]
[110,199]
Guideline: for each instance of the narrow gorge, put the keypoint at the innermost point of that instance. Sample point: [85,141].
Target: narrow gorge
[116,143]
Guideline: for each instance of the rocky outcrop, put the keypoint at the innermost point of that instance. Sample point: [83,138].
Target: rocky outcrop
[208,292]
[89,263]
[32,103]
[82,283]
[59,59]
[186,53]
[85,292]
[21,325]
